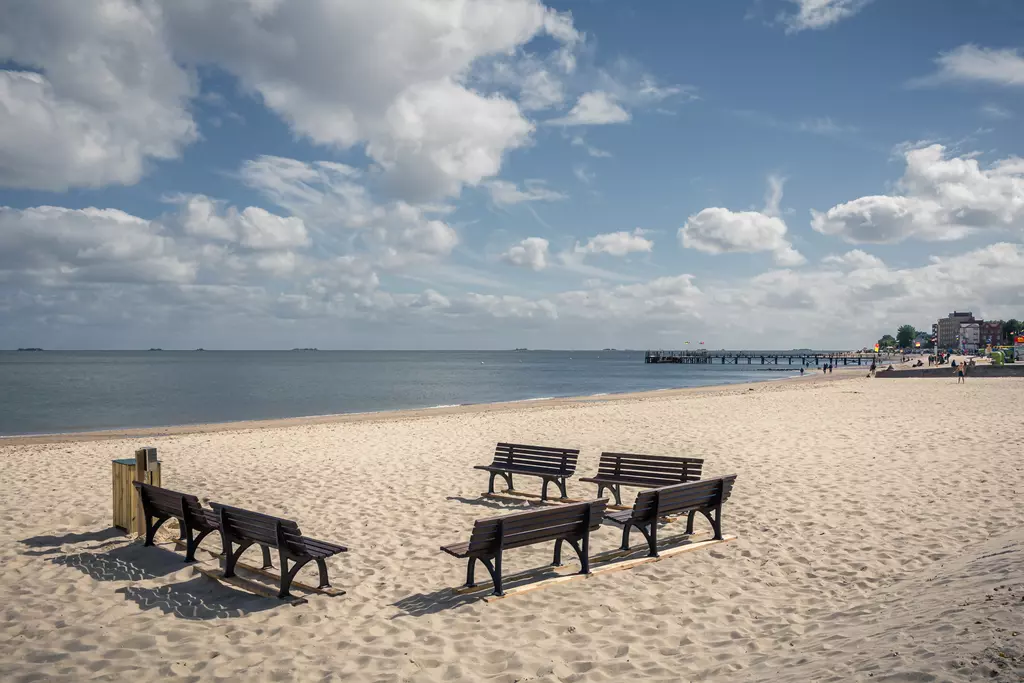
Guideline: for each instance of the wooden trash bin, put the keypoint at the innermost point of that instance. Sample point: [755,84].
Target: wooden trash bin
[125,500]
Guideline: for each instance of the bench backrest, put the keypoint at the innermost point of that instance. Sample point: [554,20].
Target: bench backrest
[651,470]
[261,528]
[706,494]
[535,526]
[558,460]
[168,503]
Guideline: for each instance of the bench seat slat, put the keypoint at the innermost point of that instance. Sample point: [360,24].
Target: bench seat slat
[526,448]
[639,458]
[648,471]
[457,549]
[539,456]
[627,468]
[553,516]
[543,459]
[248,528]
[652,482]
[527,528]
[550,533]
[541,464]
[317,548]
[516,469]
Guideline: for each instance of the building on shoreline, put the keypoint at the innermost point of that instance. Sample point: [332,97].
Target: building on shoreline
[991,332]
[961,330]
[949,328]
[970,337]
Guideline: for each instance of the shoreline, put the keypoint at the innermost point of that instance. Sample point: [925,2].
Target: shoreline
[398,414]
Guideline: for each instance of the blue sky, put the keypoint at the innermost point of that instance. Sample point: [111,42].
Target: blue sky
[471,174]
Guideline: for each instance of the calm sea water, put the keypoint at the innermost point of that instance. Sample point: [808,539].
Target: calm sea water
[62,391]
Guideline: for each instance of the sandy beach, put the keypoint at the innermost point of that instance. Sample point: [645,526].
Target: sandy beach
[879,530]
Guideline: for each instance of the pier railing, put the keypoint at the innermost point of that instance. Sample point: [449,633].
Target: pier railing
[799,358]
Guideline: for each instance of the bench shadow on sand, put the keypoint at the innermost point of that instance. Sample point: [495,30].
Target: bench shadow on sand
[51,545]
[197,598]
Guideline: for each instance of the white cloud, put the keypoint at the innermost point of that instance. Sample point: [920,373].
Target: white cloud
[332,199]
[626,82]
[252,227]
[389,75]
[52,245]
[666,297]
[583,174]
[616,243]
[717,230]
[580,141]
[720,231]
[592,109]
[91,95]
[261,229]
[504,193]
[938,198]
[978,64]
[440,136]
[994,111]
[819,14]
[773,195]
[530,253]
[538,84]
[506,306]
[855,259]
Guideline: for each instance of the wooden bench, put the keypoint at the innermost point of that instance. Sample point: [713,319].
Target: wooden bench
[160,504]
[616,470]
[550,464]
[705,497]
[244,528]
[566,523]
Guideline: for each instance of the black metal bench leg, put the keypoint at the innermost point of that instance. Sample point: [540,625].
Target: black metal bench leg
[617,491]
[288,576]
[321,565]
[192,544]
[689,522]
[494,569]
[231,556]
[498,588]
[267,564]
[716,523]
[650,533]
[490,482]
[625,536]
[152,528]
[561,486]
[557,562]
[470,578]
[581,553]
[544,489]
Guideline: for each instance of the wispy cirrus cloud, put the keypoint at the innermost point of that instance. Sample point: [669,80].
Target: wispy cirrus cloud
[820,14]
[974,64]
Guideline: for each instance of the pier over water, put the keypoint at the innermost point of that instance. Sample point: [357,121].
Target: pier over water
[799,358]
